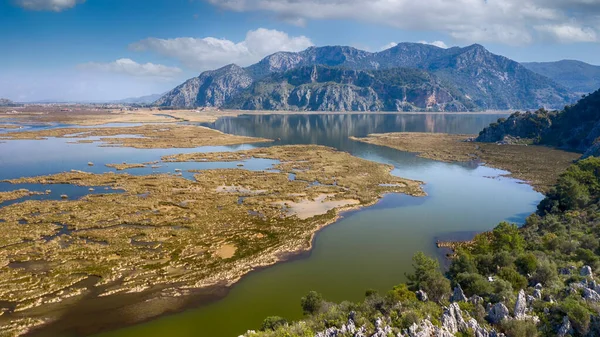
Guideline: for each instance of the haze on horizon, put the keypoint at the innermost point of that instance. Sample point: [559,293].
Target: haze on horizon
[92,50]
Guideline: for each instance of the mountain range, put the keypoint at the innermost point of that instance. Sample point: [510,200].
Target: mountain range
[407,77]
[577,76]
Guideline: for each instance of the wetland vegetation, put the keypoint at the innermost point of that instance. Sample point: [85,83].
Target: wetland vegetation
[166,232]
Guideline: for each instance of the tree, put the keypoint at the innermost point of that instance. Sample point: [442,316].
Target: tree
[427,277]
[311,303]
[508,238]
[423,266]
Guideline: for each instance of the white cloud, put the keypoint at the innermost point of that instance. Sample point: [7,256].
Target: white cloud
[439,44]
[48,5]
[129,67]
[507,21]
[209,52]
[569,33]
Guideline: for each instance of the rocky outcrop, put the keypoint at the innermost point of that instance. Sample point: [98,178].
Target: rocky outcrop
[497,313]
[586,271]
[520,311]
[565,329]
[458,295]
[211,88]
[422,296]
[528,125]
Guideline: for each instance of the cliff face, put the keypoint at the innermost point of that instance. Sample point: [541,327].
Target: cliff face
[211,88]
[486,80]
[320,88]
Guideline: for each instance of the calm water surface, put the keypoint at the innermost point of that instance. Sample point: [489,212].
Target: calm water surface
[369,248]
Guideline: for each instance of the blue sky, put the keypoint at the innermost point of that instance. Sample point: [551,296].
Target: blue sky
[112,49]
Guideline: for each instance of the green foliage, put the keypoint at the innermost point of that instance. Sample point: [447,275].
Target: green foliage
[578,314]
[427,277]
[526,263]
[311,303]
[473,283]
[401,293]
[507,237]
[517,280]
[272,323]
[516,328]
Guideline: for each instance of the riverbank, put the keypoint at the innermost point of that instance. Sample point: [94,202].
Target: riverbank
[539,166]
[166,236]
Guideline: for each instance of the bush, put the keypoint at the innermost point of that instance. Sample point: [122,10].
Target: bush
[517,280]
[578,314]
[311,303]
[507,237]
[401,293]
[526,263]
[515,328]
[473,284]
[272,323]
[545,273]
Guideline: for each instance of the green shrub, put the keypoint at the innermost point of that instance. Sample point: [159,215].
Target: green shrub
[272,323]
[474,284]
[526,263]
[401,293]
[517,280]
[516,328]
[311,303]
[578,314]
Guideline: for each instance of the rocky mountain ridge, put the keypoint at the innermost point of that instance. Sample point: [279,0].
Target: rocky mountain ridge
[487,80]
[322,88]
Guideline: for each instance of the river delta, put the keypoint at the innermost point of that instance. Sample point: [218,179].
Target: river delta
[167,217]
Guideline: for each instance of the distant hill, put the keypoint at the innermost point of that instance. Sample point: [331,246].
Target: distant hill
[577,76]
[148,99]
[486,80]
[576,127]
[322,88]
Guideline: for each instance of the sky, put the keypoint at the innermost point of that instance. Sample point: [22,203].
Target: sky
[94,50]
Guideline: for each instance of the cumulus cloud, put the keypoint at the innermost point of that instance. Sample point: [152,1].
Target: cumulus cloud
[209,52]
[439,44]
[505,21]
[130,67]
[48,5]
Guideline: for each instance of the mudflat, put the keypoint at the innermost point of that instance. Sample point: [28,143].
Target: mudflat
[147,136]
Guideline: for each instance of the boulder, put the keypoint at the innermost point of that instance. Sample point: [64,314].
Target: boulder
[590,295]
[498,313]
[475,300]
[565,329]
[422,296]
[537,294]
[586,271]
[458,295]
